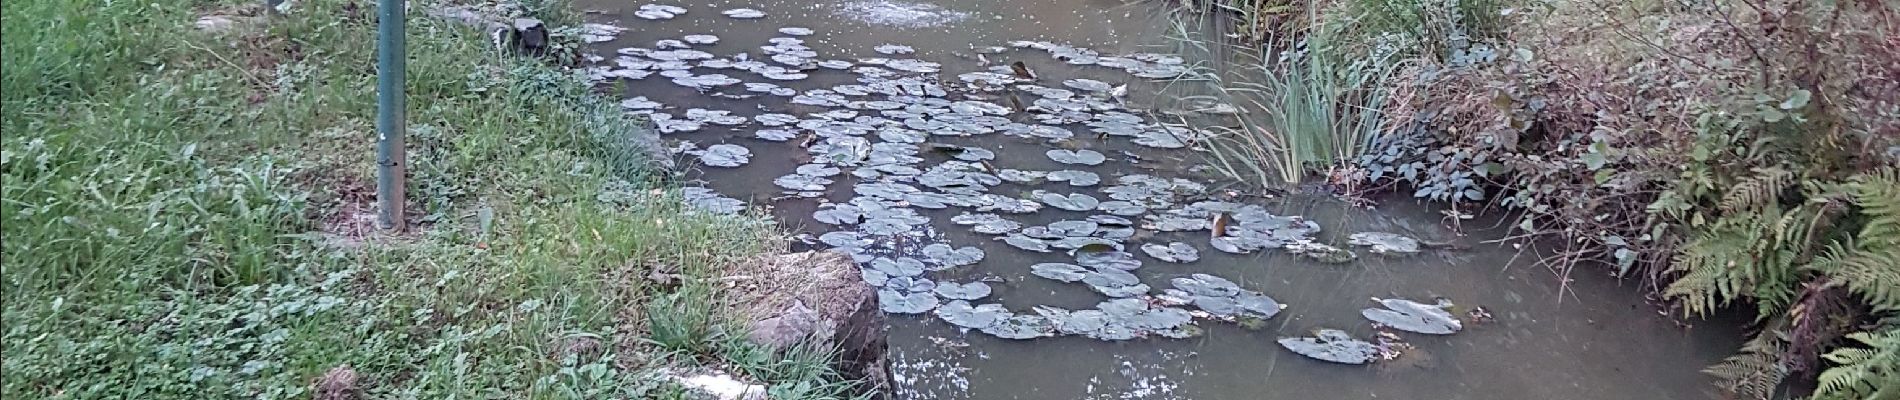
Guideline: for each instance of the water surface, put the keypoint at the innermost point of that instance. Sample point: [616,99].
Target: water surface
[1596,339]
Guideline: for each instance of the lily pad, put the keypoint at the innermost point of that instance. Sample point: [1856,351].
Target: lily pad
[801,182]
[1206,285]
[1021,176]
[1021,327]
[1416,317]
[1122,208]
[1071,202]
[743,13]
[775,135]
[1175,252]
[962,314]
[795,31]
[894,49]
[898,267]
[952,257]
[700,39]
[844,239]
[1088,85]
[1332,345]
[989,224]
[1080,157]
[725,156]
[838,215]
[1075,178]
[905,303]
[1027,243]
[963,291]
[1384,242]
[1106,260]
[1059,271]
[710,201]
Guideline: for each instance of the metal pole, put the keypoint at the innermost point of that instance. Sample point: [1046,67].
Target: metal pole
[391,160]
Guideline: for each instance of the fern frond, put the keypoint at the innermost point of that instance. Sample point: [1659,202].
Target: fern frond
[1753,373]
[1864,373]
[1758,190]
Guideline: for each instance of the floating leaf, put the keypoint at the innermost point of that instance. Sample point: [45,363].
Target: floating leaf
[801,182]
[838,215]
[990,224]
[1021,327]
[1105,260]
[944,254]
[1059,271]
[795,31]
[1027,243]
[1088,85]
[1206,285]
[905,303]
[962,314]
[701,39]
[1332,345]
[963,291]
[743,13]
[894,49]
[1075,178]
[1081,157]
[1175,252]
[1412,316]
[898,267]
[1384,242]
[1071,202]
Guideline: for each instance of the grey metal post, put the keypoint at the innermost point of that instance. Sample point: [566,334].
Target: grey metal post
[391,160]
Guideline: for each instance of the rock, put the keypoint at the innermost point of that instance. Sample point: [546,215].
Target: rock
[788,328]
[787,298]
[528,36]
[339,383]
[719,385]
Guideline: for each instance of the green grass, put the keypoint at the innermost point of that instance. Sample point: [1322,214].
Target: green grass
[163,190]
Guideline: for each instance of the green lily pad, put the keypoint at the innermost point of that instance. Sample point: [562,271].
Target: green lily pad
[952,257]
[1384,242]
[1099,260]
[1071,202]
[725,155]
[1075,178]
[963,291]
[1059,271]
[905,303]
[1175,252]
[1027,243]
[1206,285]
[1081,157]
[1021,327]
[1416,317]
[1332,345]
[898,267]
[962,314]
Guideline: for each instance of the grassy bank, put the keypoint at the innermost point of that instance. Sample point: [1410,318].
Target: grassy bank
[186,216]
[1733,155]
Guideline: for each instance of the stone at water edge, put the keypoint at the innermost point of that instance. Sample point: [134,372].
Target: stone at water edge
[826,283]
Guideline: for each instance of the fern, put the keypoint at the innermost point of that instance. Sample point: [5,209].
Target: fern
[1755,372]
[1864,373]
[1758,190]
[1736,258]
[1869,264]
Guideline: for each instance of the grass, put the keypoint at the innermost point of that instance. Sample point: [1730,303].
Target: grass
[1301,111]
[176,206]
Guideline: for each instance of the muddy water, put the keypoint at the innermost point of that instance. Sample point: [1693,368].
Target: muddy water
[1597,340]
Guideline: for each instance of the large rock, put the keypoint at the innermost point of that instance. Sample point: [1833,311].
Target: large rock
[788,298]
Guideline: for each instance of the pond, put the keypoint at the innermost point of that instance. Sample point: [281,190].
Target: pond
[1013,175]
